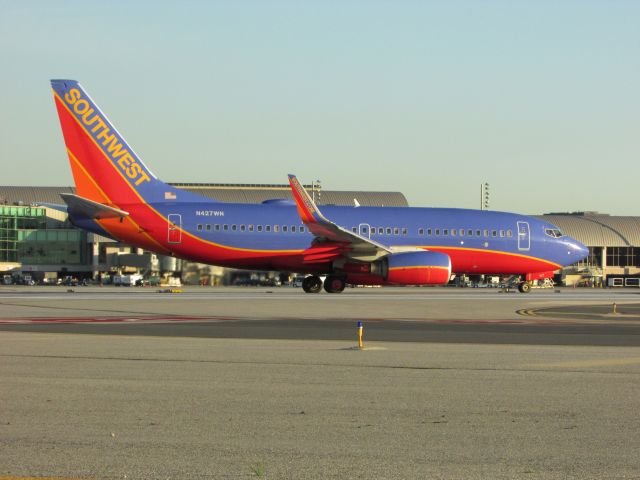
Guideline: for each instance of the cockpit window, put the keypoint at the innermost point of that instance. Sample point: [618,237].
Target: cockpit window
[554,232]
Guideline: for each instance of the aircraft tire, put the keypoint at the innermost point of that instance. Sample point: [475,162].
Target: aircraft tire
[312,284]
[333,284]
[524,287]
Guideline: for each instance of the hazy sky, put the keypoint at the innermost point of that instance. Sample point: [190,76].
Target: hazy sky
[539,98]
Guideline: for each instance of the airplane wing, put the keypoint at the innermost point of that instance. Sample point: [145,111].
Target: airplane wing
[355,246]
[78,205]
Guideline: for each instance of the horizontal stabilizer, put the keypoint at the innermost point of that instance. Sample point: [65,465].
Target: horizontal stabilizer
[88,208]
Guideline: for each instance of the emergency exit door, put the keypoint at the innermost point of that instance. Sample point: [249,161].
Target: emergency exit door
[175,228]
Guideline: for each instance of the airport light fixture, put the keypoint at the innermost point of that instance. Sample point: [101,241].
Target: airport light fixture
[315,187]
[484,196]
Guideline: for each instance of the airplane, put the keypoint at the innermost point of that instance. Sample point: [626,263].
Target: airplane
[117,196]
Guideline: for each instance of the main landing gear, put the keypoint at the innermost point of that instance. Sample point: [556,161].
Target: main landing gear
[332,284]
[524,287]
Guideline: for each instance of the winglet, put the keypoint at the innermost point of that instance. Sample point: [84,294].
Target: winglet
[307,209]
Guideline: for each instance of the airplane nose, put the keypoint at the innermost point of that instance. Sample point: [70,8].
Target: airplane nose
[579,251]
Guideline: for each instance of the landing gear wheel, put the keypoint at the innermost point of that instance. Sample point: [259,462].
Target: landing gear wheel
[333,284]
[312,284]
[524,287]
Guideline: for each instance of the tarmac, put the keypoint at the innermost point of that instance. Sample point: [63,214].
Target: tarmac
[269,383]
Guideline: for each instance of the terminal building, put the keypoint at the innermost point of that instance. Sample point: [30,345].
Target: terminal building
[38,243]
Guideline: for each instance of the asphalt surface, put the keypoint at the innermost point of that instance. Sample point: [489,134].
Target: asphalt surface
[560,317]
[528,386]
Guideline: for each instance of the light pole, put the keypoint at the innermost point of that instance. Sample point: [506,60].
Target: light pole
[315,185]
[484,196]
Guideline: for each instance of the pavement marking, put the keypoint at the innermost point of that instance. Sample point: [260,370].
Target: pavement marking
[610,362]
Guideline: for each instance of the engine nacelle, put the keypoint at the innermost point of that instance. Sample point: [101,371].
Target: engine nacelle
[417,268]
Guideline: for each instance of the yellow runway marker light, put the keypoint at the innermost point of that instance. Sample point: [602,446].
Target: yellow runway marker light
[359,334]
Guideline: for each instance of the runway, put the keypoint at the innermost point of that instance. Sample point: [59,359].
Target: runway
[240,383]
[557,317]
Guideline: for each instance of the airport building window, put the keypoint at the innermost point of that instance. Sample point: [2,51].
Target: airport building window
[623,256]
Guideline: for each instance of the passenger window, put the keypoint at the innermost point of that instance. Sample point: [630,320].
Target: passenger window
[396,231]
[267,228]
[462,232]
[302,229]
[199,227]
[293,229]
[486,232]
[284,228]
[494,233]
[226,227]
[502,233]
[454,232]
[242,228]
[509,233]
[478,233]
[208,227]
[276,228]
[437,231]
[421,231]
[405,231]
[259,228]
[380,231]
[251,228]
[217,227]
[470,232]
[428,231]
[388,231]
[445,231]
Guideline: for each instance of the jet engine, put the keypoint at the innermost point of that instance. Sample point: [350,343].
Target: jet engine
[406,268]
[418,268]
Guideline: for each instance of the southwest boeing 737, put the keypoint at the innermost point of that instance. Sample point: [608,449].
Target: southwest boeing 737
[119,197]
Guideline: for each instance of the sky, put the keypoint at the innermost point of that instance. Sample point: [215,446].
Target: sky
[431,98]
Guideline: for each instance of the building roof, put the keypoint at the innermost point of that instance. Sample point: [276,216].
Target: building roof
[233,193]
[597,230]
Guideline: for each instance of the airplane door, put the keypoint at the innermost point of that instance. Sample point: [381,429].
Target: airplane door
[364,229]
[524,236]
[175,226]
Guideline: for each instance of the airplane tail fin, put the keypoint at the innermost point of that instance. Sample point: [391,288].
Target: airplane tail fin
[105,168]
